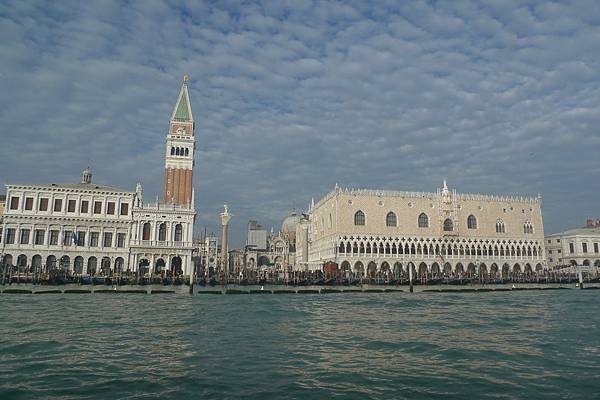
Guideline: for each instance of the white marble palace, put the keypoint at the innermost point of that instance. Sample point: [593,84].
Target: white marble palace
[87,228]
[375,231]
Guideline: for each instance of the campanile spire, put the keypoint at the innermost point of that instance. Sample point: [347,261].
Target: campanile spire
[180,147]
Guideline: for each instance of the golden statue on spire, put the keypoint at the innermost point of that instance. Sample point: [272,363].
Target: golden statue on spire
[186,78]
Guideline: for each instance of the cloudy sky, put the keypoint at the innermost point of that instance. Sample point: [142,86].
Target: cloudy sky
[290,97]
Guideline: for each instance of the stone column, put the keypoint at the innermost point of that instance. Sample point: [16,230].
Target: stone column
[225,218]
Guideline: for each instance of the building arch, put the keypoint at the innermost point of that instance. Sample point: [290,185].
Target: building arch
[105,266]
[447,269]
[448,225]
[36,263]
[345,266]
[78,265]
[92,265]
[371,269]
[516,269]
[65,263]
[505,270]
[159,266]
[435,269]
[423,270]
[176,266]
[119,263]
[359,268]
[50,263]
[459,269]
[494,270]
[263,261]
[471,269]
[22,262]
[586,263]
[385,268]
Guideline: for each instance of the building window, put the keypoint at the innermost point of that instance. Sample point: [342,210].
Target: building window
[172,150]
[500,227]
[423,221]
[124,208]
[120,240]
[1,235]
[595,247]
[57,205]
[39,236]
[559,251]
[557,240]
[110,208]
[24,236]
[584,247]
[71,206]
[84,206]
[53,239]
[94,239]
[448,225]
[67,238]
[472,222]
[107,241]
[549,251]
[391,220]
[29,203]
[97,207]
[359,218]
[14,203]
[146,231]
[10,235]
[178,233]
[43,204]
[571,248]
[80,238]
[527,228]
[549,241]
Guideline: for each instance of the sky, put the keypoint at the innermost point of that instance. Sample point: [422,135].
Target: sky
[292,97]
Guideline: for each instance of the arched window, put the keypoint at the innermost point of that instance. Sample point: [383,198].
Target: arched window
[172,150]
[177,151]
[146,231]
[448,225]
[527,227]
[472,222]
[359,218]
[500,228]
[178,233]
[187,151]
[390,219]
[423,221]
[162,232]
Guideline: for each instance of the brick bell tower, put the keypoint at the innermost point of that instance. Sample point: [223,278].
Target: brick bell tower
[179,160]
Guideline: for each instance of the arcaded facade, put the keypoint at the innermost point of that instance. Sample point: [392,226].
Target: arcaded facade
[440,233]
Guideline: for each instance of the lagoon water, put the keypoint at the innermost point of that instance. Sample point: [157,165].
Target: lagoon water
[506,345]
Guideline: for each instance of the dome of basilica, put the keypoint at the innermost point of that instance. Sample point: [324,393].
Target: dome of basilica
[288,227]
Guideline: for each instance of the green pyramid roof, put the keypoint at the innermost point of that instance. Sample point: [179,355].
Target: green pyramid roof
[181,113]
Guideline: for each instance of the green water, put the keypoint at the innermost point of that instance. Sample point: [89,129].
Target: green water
[507,345]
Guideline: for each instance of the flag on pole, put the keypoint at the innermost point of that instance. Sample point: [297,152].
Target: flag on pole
[73,239]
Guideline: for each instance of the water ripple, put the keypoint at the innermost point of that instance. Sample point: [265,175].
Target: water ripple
[373,346]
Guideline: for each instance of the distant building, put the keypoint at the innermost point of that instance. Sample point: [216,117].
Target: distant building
[579,246]
[257,236]
[236,261]
[2,204]
[88,228]
[444,232]
[278,252]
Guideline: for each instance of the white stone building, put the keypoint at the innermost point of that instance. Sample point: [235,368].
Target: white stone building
[579,246]
[87,228]
[440,233]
